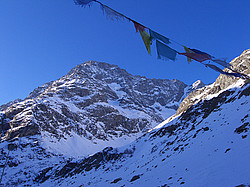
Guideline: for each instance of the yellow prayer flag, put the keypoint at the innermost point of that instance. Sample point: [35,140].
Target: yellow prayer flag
[188,51]
[147,40]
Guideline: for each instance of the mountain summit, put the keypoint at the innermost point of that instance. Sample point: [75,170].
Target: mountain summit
[95,105]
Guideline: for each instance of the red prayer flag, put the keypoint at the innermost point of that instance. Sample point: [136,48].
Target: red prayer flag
[139,27]
[197,57]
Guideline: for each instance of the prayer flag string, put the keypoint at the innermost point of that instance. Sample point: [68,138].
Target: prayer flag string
[163,50]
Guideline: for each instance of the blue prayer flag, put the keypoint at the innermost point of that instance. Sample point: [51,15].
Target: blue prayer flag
[157,36]
[222,62]
[215,68]
[223,72]
[165,52]
[199,52]
[236,75]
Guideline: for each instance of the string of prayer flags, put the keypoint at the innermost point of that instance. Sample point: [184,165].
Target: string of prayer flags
[165,52]
[222,62]
[156,36]
[147,40]
[188,51]
[197,55]
[112,14]
[82,2]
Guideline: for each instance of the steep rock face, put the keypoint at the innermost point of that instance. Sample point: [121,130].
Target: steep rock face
[5,106]
[95,102]
[240,64]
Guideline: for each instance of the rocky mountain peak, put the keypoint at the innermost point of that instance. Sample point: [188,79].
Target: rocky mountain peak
[97,70]
[197,84]
[95,102]
[240,64]
[245,52]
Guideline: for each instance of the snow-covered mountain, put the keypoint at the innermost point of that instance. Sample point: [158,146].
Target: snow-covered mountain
[206,143]
[94,106]
[205,146]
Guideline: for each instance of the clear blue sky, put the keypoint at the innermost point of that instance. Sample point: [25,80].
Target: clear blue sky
[42,40]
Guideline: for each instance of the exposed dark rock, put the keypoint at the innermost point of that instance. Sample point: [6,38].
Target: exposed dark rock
[5,106]
[165,130]
[242,185]
[25,131]
[116,180]
[227,150]
[134,178]
[206,129]
[243,128]
[12,147]
[42,177]
[109,154]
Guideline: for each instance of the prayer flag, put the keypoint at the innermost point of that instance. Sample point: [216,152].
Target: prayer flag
[223,72]
[82,2]
[112,14]
[188,51]
[138,26]
[236,75]
[222,62]
[197,55]
[157,36]
[165,52]
[199,52]
[215,68]
[147,40]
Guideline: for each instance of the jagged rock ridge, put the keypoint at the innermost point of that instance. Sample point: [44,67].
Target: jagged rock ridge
[96,103]
[240,64]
